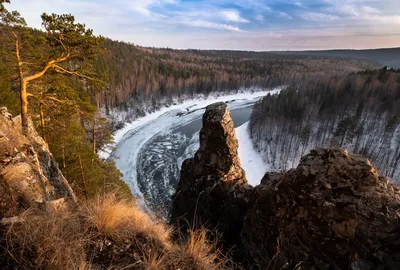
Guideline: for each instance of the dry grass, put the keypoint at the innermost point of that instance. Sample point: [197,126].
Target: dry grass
[121,219]
[106,233]
[198,252]
[51,241]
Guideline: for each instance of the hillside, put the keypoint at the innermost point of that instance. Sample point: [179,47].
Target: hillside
[333,210]
[359,112]
[388,57]
[145,78]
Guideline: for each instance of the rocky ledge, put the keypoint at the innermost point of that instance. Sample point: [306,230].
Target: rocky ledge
[334,211]
[29,175]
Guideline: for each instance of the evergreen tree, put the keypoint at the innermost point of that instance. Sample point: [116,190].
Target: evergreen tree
[72,45]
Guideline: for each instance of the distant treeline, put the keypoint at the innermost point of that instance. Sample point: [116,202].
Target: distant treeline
[388,57]
[141,77]
[360,111]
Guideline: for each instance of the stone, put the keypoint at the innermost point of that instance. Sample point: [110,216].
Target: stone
[332,212]
[212,191]
[8,205]
[27,165]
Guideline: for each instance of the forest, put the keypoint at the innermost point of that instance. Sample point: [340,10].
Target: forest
[386,56]
[143,79]
[360,111]
[77,87]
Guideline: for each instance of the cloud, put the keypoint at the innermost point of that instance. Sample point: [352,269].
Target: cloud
[389,20]
[233,16]
[285,15]
[259,18]
[144,6]
[241,24]
[210,25]
[319,17]
[358,12]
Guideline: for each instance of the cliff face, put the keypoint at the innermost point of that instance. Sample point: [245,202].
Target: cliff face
[29,175]
[213,189]
[333,211]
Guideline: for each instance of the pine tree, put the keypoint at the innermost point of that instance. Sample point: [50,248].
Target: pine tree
[73,48]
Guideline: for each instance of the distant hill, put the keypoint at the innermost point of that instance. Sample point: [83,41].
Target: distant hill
[387,57]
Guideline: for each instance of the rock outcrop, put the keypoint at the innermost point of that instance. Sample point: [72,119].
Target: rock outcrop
[332,212]
[213,189]
[28,171]
[8,205]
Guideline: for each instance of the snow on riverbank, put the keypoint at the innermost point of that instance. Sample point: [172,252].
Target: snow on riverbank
[189,105]
[252,161]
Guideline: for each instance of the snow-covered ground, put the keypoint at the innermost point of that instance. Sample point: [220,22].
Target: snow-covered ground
[252,161]
[149,151]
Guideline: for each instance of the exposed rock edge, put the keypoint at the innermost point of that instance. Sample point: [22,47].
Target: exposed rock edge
[29,174]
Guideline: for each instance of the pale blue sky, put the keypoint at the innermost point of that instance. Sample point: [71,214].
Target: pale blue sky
[241,24]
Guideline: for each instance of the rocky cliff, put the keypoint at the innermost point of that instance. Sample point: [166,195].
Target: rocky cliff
[29,175]
[213,188]
[334,211]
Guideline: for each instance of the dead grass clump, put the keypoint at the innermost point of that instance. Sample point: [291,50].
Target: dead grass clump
[46,241]
[107,233]
[198,252]
[121,220]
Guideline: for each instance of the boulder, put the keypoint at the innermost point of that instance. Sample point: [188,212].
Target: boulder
[332,212]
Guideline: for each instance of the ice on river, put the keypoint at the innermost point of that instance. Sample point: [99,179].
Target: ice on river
[152,148]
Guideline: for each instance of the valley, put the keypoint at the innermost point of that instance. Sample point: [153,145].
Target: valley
[149,152]
[199,135]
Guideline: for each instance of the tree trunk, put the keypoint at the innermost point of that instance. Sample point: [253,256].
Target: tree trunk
[23,91]
[42,123]
[24,109]
[63,152]
[83,176]
[94,134]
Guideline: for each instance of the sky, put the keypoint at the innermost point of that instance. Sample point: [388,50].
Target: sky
[259,25]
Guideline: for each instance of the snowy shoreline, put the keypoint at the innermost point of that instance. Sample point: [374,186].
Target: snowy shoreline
[188,105]
[251,161]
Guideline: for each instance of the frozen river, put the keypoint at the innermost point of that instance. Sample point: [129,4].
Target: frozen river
[150,153]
